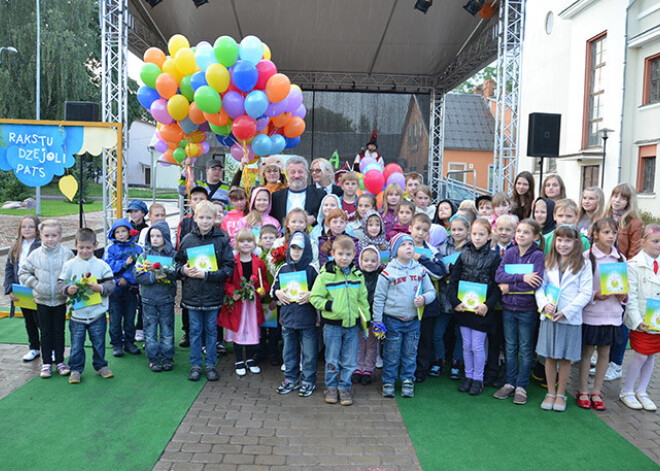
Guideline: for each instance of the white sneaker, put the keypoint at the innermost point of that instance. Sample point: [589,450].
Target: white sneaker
[31,355]
[240,369]
[630,400]
[614,371]
[594,359]
[139,335]
[283,367]
[646,403]
[379,361]
[592,371]
[253,367]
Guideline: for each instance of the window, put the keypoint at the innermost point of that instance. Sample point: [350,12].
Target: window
[456,167]
[594,91]
[646,169]
[651,80]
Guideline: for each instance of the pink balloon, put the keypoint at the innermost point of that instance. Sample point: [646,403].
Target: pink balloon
[159,111]
[266,70]
[374,181]
[157,133]
[399,179]
[390,169]
[237,152]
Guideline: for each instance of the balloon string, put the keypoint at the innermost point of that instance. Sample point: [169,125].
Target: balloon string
[246,181]
[189,179]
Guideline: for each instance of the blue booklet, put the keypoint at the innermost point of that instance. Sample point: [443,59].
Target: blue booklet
[428,253]
[519,268]
[164,261]
[450,259]
[472,294]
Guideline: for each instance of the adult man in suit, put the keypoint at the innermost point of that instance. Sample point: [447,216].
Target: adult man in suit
[299,194]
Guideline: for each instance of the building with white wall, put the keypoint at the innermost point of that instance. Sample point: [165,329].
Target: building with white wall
[140,155]
[581,59]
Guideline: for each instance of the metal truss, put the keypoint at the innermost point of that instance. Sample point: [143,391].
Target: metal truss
[509,58]
[114,90]
[436,142]
[358,82]
[479,51]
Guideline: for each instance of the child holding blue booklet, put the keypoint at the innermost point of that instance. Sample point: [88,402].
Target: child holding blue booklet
[519,274]
[476,264]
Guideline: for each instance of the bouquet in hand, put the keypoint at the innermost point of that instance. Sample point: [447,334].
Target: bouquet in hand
[245,291]
[279,256]
[84,291]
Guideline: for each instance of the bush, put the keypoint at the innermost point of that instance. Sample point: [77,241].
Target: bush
[13,190]
[649,218]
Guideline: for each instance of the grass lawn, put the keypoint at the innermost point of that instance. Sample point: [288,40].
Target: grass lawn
[96,190]
[54,208]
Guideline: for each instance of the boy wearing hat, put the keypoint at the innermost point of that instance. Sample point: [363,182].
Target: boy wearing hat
[403,287]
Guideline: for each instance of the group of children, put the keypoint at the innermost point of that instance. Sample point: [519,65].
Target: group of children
[388,278]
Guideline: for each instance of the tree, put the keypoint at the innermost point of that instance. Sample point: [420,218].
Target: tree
[478,79]
[332,121]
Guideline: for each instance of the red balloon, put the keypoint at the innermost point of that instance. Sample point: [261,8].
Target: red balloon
[374,181]
[244,128]
[390,169]
[266,70]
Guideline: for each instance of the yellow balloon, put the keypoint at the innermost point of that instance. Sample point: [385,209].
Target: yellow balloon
[185,61]
[267,53]
[68,186]
[177,42]
[177,106]
[217,76]
[170,67]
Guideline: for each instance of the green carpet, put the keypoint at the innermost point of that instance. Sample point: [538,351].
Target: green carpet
[452,430]
[122,423]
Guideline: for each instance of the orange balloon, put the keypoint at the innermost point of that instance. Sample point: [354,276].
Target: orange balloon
[171,133]
[195,114]
[278,87]
[155,56]
[281,119]
[487,11]
[169,157]
[166,85]
[172,145]
[196,137]
[294,127]
[379,199]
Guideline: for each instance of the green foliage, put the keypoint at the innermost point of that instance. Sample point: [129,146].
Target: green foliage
[332,121]
[649,218]
[11,189]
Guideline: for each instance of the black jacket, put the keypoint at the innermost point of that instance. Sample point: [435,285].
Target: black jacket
[436,268]
[371,280]
[479,266]
[206,294]
[312,202]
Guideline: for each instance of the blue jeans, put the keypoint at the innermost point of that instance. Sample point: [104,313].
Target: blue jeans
[341,346]
[155,315]
[123,304]
[294,339]
[97,335]
[441,324]
[400,349]
[208,321]
[519,330]
[619,349]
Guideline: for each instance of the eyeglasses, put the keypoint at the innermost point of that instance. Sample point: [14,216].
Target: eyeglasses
[317,170]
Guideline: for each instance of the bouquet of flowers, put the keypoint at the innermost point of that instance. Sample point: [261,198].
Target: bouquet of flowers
[143,265]
[245,291]
[279,256]
[84,291]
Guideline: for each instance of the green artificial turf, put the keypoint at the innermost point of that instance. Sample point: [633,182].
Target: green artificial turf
[453,430]
[121,423]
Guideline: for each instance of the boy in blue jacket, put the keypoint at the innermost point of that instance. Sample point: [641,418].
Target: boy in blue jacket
[121,255]
[298,319]
[158,292]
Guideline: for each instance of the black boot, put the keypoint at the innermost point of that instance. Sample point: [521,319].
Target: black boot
[465,385]
[476,388]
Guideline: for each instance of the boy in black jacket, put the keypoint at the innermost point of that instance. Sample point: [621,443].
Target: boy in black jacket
[202,290]
[298,318]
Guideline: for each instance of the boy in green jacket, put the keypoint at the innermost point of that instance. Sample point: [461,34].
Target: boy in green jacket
[340,293]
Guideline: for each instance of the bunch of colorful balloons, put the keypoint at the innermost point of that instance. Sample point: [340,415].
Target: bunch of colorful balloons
[230,89]
[374,178]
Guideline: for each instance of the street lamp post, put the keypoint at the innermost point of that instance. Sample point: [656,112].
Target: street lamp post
[604,136]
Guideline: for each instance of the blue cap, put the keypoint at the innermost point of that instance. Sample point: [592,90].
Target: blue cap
[137,205]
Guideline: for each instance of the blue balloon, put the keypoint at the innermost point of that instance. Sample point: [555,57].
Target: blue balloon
[261,144]
[197,80]
[226,141]
[291,142]
[204,56]
[146,96]
[187,125]
[256,104]
[251,50]
[278,143]
[244,75]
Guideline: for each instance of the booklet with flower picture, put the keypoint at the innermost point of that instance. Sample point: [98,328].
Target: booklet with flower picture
[89,297]
[294,284]
[613,278]
[652,317]
[24,295]
[552,292]
[472,294]
[270,316]
[202,257]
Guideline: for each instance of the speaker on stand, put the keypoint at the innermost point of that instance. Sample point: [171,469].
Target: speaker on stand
[81,111]
[543,138]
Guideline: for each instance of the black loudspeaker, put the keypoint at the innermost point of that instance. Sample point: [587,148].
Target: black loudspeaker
[81,111]
[543,135]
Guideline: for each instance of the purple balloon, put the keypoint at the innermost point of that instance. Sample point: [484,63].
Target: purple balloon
[294,99]
[160,146]
[159,111]
[233,104]
[163,162]
[366,161]
[262,123]
[205,147]
[300,112]
[275,109]
[204,127]
[397,178]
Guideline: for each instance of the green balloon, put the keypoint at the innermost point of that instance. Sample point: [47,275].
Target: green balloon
[149,74]
[208,100]
[362,187]
[183,143]
[226,50]
[179,154]
[221,130]
[186,88]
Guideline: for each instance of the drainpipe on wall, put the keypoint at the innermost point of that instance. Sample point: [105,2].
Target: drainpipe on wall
[623,98]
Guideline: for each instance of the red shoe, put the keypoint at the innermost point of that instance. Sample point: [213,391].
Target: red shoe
[597,403]
[584,403]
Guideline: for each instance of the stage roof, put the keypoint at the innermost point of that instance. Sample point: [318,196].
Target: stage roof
[360,45]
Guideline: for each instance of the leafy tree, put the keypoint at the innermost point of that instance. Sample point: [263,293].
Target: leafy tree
[477,80]
[332,121]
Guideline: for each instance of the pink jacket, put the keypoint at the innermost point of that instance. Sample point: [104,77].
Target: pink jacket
[608,311]
[266,218]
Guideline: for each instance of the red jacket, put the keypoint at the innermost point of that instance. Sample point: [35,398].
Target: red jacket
[230,318]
